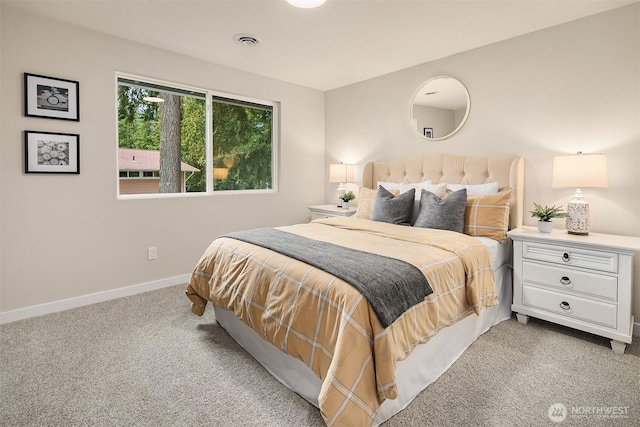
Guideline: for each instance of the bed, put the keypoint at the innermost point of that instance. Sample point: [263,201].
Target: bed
[313,329]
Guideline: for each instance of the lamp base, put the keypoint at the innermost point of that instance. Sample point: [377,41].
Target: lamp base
[578,219]
[340,193]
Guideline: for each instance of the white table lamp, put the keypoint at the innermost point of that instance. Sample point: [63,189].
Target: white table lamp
[579,171]
[340,173]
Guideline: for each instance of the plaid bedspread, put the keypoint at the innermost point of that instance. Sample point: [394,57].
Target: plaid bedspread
[328,324]
[390,285]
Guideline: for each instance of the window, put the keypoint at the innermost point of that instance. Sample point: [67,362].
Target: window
[139,174]
[242,145]
[173,139]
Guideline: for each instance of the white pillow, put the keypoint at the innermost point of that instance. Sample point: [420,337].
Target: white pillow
[397,185]
[475,189]
[423,183]
[437,189]
[427,182]
[388,185]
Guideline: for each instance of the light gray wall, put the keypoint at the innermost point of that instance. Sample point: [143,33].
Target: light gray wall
[65,236]
[573,87]
[569,88]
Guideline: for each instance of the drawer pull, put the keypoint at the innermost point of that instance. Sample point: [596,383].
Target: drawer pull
[565,306]
[565,280]
[565,257]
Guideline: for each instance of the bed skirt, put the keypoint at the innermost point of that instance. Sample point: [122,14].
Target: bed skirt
[412,374]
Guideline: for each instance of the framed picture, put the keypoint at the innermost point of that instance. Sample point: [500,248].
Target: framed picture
[49,152]
[428,132]
[51,97]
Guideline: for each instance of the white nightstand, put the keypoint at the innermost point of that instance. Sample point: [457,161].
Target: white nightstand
[583,282]
[327,211]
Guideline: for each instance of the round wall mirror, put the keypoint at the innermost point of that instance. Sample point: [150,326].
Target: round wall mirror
[440,107]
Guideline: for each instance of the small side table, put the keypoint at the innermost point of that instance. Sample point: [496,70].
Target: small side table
[328,211]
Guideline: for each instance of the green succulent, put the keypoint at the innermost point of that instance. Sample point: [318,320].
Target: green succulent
[348,196]
[546,213]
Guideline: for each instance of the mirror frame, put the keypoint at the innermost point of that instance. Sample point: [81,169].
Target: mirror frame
[462,122]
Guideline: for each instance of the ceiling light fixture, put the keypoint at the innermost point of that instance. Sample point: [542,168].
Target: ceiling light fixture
[246,39]
[153,99]
[306,4]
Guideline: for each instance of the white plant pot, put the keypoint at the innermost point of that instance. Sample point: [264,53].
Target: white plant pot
[545,226]
[345,205]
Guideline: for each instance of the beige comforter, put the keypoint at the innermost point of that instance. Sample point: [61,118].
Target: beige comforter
[327,323]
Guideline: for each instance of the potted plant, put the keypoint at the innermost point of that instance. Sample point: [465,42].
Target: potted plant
[346,197]
[545,214]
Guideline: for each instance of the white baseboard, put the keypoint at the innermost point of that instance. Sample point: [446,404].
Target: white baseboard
[66,304]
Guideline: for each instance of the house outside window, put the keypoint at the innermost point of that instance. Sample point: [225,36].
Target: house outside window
[139,171]
[174,139]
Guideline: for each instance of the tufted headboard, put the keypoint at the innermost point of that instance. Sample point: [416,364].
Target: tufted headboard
[507,171]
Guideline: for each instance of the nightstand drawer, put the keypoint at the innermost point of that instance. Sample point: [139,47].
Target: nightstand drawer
[570,280]
[571,306]
[564,255]
[320,215]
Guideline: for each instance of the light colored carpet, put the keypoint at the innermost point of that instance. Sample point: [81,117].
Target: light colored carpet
[146,360]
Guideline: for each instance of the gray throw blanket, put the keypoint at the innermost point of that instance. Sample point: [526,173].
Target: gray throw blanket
[390,285]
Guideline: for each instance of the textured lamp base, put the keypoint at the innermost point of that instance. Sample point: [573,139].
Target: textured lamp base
[340,193]
[578,219]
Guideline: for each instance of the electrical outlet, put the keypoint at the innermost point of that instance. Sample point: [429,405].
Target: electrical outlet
[152,253]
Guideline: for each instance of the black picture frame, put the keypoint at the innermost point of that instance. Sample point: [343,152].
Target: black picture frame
[427,132]
[51,97]
[51,152]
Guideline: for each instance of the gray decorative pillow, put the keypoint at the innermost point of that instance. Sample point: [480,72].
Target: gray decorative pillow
[443,214]
[393,209]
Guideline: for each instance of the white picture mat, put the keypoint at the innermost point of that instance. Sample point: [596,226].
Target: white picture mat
[32,152]
[32,83]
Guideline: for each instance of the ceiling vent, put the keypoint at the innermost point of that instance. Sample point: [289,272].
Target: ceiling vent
[246,39]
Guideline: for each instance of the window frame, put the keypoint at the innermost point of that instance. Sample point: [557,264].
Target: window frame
[210,94]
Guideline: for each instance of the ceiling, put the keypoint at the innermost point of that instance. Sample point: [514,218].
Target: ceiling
[337,44]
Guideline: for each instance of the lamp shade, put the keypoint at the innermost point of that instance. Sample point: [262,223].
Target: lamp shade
[580,171]
[341,173]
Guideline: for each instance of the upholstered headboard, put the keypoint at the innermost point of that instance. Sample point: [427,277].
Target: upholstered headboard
[507,171]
